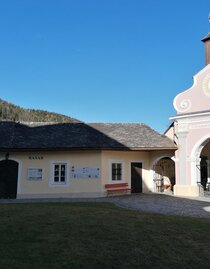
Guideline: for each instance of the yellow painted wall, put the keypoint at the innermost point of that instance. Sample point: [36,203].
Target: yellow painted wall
[78,187]
[170,133]
[44,188]
[126,158]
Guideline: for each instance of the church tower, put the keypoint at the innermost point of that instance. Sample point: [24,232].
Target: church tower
[206,41]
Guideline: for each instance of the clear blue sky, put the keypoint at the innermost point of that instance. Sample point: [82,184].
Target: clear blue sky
[101,60]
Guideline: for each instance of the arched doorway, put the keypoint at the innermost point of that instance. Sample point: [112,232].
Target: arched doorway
[204,167]
[164,175]
[200,165]
[8,179]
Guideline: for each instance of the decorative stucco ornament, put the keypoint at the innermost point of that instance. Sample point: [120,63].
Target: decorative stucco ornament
[206,85]
[185,105]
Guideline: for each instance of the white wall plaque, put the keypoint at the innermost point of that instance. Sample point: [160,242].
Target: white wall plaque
[84,172]
[35,174]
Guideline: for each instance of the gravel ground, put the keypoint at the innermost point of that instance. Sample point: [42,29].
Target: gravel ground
[156,203]
[166,204]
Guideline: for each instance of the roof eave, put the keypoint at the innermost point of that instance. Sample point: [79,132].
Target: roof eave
[84,149]
[207,37]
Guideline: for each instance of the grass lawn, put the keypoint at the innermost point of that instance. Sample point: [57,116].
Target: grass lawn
[99,236]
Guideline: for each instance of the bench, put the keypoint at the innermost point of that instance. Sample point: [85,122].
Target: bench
[117,188]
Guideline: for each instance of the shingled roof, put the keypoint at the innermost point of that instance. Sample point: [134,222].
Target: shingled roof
[72,136]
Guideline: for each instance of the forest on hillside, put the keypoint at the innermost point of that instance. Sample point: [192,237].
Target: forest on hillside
[16,113]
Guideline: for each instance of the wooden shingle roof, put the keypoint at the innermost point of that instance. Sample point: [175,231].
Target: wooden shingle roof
[72,136]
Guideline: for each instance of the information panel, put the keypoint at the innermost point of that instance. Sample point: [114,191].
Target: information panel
[35,174]
[84,172]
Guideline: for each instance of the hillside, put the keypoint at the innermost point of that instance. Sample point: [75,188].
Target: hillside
[12,112]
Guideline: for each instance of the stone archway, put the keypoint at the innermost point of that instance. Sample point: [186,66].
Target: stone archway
[8,179]
[205,166]
[201,169]
[200,157]
[164,175]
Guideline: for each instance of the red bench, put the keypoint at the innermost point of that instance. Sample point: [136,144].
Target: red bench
[117,188]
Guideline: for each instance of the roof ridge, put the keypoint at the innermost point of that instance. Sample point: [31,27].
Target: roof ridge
[115,123]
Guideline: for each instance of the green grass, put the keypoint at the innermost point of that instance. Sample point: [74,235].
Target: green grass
[99,236]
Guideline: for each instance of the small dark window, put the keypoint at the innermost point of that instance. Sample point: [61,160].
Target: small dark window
[116,171]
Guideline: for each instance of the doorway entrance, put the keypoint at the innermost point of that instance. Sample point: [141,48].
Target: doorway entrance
[164,175]
[8,179]
[136,177]
[203,179]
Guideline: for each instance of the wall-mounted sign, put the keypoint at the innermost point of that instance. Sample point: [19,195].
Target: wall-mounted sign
[35,157]
[35,174]
[85,172]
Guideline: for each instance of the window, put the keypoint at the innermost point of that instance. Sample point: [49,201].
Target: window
[60,173]
[116,171]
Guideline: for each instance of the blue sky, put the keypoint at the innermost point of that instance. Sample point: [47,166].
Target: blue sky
[101,60]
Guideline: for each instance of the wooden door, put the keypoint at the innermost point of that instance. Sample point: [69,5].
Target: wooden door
[8,179]
[136,177]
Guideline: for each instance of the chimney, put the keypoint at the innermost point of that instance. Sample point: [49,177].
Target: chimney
[206,41]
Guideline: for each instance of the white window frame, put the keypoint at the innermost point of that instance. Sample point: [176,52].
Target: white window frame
[60,183]
[111,162]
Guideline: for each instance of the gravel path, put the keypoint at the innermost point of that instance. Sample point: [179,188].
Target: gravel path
[156,203]
[166,204]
